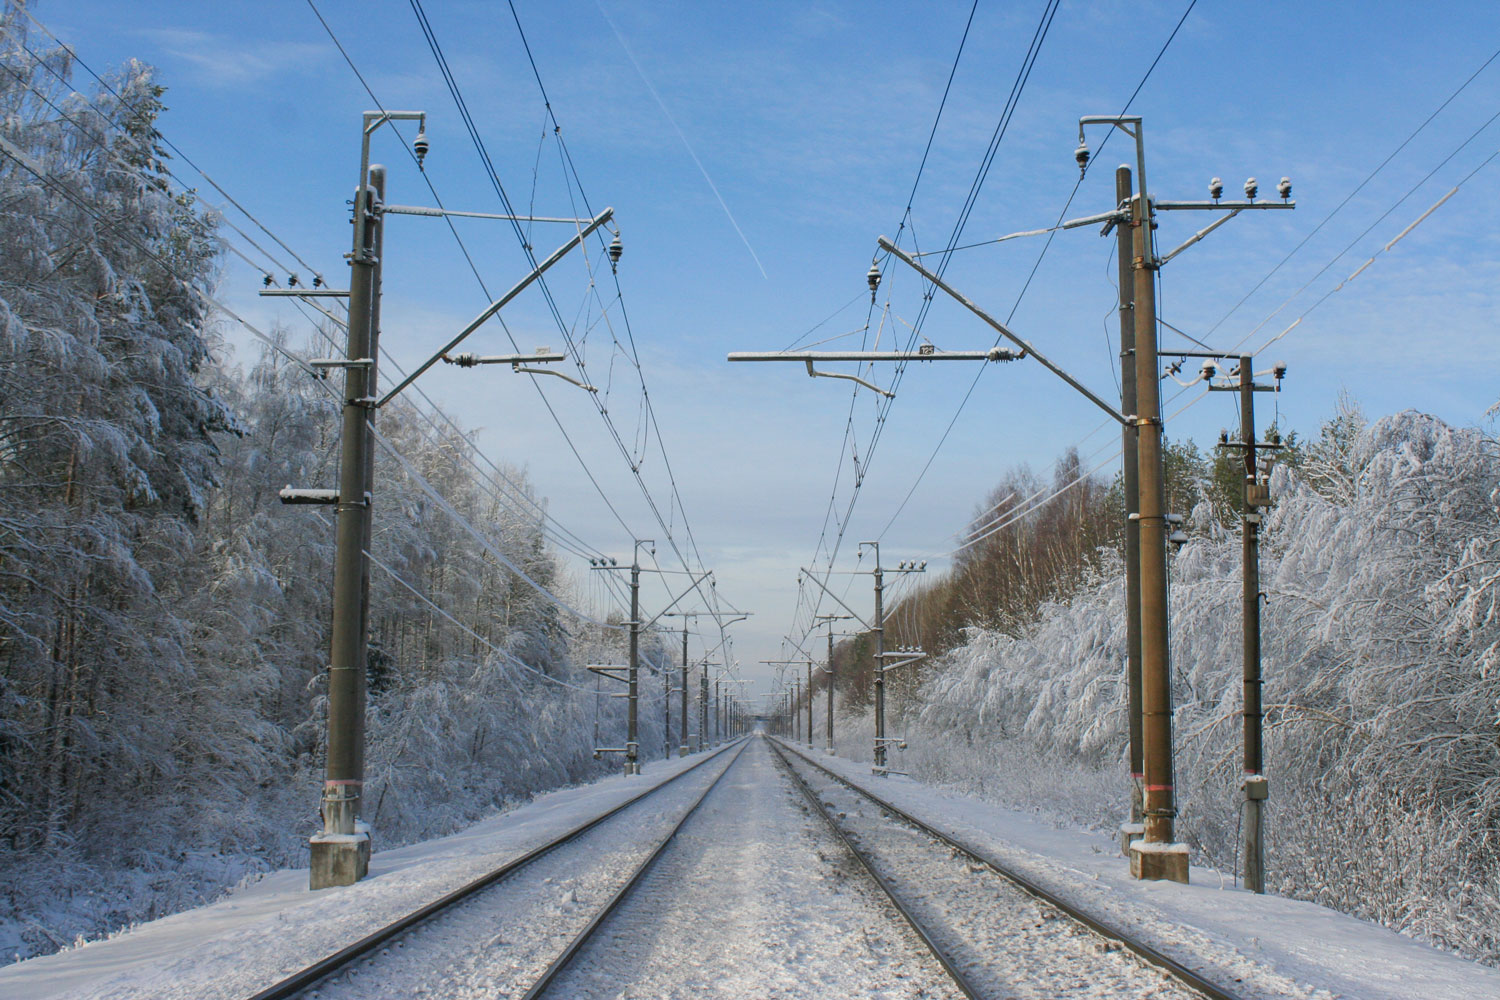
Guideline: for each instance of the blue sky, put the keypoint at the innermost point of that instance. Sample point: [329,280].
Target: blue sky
[810,119]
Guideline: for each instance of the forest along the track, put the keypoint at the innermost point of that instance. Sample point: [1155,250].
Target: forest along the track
[755,897]
[1004,941]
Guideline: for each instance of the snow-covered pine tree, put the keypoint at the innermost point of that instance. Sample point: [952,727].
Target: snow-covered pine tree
[106,444]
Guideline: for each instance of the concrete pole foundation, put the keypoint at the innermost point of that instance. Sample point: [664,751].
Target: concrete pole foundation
[1157,861]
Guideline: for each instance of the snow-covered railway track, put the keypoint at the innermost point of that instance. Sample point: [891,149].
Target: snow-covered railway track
[352,969]
[582,938]
[997,931]
[751,897]
[956,972]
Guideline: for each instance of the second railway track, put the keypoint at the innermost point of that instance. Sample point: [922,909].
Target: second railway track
[1001,935]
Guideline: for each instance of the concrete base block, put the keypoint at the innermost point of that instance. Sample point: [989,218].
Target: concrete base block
[339,859]
[1129,834]
[1158,862]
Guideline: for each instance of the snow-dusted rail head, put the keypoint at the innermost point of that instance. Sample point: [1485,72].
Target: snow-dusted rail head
[1001,936]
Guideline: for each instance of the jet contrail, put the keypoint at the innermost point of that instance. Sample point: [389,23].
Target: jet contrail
[686,145]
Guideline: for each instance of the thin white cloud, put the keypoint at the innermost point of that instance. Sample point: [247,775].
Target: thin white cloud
[686,145]
[228,62]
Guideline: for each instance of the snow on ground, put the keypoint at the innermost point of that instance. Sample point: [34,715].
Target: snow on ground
[1229,935]
[754,899]
[262,933]
[753,910]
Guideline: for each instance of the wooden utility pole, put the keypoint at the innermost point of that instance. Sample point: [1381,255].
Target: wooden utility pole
[340,851]
[666,712]
[1256,787]
[828,620]
[1159,856]
[1255,494]
[703,707]
[632,743]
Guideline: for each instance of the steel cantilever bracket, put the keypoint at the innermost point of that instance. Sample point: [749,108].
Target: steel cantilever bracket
[814,373]
[562,375]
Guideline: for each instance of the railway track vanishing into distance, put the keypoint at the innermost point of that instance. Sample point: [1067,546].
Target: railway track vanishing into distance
[603,904]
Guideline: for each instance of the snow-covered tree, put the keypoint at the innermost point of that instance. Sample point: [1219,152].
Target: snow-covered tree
[1381,642]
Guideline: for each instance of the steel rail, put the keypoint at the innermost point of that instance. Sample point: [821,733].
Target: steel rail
[937,952]
[313,974]
[562,961]
[1145,951]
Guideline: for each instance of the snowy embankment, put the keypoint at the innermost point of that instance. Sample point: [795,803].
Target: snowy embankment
[261,933]
[1240,940]
[1381,659]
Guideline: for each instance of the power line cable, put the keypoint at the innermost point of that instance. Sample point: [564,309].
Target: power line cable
[1357,189]
[1030,277]
[473,267]
[649,409]
[25,162]
[883,407]
[144,145]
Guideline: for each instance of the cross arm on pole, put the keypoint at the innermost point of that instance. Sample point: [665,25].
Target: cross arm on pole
[690,588]
[924,353]
[855,614]
[910,658]
[794,642]
[501,302]
[1235,207]
[451,213]
[519,363]
[1003,330]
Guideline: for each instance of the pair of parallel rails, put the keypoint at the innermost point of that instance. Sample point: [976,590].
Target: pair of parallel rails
[1151,955]
[307,978]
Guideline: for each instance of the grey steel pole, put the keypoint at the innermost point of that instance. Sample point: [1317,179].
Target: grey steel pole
[796,710]
[341,855]
[1256,787]
[632,745]
[1131,479]
[879,665]
[666,712]
[1156,678]
[682,747]
[703,706]
[809,705]
[377,239]
[829,729]
[718,693]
